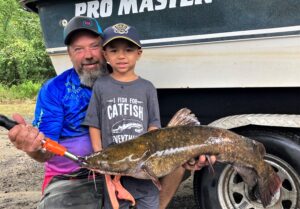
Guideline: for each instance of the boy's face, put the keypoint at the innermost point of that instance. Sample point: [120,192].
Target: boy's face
[122,56]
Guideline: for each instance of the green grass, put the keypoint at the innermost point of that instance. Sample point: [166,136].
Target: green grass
[21,92]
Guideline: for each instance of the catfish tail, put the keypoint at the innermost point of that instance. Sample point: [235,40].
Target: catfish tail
[184,117]
[268,185]
[261,185]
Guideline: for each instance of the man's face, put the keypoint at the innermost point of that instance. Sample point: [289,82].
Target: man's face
[85,52]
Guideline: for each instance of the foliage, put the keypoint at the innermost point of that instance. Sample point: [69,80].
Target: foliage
[22,52]
[26,90]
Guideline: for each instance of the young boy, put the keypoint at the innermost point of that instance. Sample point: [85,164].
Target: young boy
[124,106]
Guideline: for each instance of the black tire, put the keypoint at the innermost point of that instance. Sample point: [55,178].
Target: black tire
[212,191]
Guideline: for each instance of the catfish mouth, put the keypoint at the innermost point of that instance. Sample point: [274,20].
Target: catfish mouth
[104,167]
[100,166]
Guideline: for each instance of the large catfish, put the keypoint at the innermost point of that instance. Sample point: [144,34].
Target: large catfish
[159,152]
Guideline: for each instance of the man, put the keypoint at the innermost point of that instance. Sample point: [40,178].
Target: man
[60,110]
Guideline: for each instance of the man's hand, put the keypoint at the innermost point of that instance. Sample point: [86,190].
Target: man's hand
[25,137]
[204,160]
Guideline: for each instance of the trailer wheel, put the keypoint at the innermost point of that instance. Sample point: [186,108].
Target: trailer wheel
[225,189]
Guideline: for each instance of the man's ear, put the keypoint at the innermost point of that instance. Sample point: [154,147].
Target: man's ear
[70,53]
[68,49]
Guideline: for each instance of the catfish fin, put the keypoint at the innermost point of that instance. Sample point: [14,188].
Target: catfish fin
[259,147]
[268,185]
[248,175]
[152,176]
[184,117]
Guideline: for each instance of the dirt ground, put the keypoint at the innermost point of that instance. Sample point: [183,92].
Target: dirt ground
[21,177]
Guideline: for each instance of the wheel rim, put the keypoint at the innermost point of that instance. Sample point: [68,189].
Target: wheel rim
[232,191]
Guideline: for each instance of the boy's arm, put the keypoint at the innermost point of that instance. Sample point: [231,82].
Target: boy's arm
[150,128]
[92,119]
[95,135]
[153,109]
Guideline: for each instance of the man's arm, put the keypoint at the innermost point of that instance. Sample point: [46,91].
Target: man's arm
[49,117]
[28,139]
[49,111]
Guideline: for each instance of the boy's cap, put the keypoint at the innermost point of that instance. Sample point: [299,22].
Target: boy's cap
[81,23]
[122,31]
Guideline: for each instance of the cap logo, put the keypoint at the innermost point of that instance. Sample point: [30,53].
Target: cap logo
[87,23]
[121,28]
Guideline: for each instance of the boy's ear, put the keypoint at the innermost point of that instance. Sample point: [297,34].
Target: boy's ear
[104,54]
[140,52]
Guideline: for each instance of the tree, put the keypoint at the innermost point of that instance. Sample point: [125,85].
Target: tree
[22,52]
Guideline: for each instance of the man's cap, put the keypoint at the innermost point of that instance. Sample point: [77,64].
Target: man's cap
[81,23]
[121,31]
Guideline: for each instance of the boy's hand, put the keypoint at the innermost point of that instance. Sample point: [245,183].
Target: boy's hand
[193,164]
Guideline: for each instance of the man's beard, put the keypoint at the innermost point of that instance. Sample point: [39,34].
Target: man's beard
[88,78]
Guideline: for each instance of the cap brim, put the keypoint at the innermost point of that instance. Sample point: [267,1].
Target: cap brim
[121,37]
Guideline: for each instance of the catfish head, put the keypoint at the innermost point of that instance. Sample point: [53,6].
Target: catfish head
[116,160]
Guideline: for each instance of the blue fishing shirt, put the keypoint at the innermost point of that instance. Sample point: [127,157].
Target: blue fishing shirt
[61,106]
